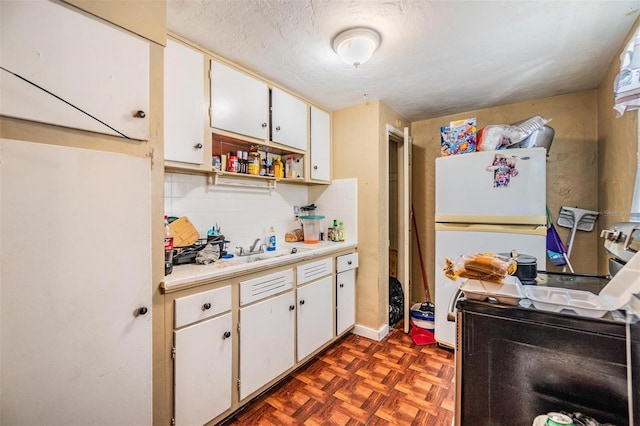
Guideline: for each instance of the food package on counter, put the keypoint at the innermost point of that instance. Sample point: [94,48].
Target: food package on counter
[480,266]
[459,137]
[294,236]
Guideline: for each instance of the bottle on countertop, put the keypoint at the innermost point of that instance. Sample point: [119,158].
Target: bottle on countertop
[341,231]
[271,244]
[168,247]
[334,235]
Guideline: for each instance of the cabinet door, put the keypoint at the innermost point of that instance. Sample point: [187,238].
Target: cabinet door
[90,64]
[345,300]
[184,104]
[239,102]
[320,144]
[203,371]
[289,120]
[315,316]
[76,343]
[267,331]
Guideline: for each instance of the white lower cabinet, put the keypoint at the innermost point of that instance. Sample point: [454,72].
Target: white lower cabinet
[266,341]
[203,349]
[203,371]
[272,323]
[346,292]
[315,316]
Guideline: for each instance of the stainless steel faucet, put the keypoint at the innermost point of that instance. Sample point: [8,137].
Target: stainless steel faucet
[253,246]
[252,249]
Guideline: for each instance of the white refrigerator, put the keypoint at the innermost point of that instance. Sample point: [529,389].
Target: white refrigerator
[491,201]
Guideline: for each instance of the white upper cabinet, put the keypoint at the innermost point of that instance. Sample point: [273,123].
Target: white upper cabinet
[289,120]
[184,104]
[239,102]
[83,61]
[320,145]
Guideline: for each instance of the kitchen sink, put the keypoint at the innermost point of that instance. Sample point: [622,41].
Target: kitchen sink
[271,254]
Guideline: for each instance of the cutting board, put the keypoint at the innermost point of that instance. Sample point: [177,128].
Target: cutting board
[184,233]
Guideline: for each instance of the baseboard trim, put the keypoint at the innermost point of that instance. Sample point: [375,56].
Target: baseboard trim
[370,333]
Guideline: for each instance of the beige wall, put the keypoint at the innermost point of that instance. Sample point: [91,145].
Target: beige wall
[618,147]
[572,170]
[360,150]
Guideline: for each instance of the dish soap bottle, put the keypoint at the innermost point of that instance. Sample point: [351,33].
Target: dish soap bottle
[271,245]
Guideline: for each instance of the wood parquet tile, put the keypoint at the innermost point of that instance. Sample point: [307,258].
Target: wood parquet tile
[358,381]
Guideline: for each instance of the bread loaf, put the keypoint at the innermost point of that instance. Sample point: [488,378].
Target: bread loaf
[294,236]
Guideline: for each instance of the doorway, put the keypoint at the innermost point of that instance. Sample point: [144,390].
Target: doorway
[398,212]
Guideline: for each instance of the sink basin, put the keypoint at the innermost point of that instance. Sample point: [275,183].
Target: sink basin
[269,254]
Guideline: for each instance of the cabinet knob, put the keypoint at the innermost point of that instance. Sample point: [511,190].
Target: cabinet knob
[206,306]
[292,307]
[341,285]
[277,128]
[140,114]
[226,335]
[198,146]
[264,125]
[142,311]
[315,167]
[302,301]
[349,262]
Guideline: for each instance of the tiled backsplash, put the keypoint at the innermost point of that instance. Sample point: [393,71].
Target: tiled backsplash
[245,214]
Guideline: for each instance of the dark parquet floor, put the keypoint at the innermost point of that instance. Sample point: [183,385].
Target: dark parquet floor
[359,381]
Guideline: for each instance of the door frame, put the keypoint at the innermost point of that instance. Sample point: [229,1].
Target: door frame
[403,142]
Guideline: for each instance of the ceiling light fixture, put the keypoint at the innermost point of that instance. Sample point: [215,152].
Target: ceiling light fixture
[355,46]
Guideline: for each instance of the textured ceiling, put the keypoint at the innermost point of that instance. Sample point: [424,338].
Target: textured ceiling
[436,57]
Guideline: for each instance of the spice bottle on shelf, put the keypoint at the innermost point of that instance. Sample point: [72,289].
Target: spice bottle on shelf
[168,247]
[277,168]
[232,163]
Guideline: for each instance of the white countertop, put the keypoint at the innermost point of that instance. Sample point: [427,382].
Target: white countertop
[223,268]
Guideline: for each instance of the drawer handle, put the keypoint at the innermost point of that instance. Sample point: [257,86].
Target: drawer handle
[264,125]
[302,301]
[198,146]
[206,306]
[140,114]
[292,307]
[226,335]
[142,311]
[341,285]
[277,128]
[349,262]
[315,167]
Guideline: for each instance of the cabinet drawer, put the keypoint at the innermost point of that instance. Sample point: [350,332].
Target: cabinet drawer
[265,286]
[202,305]
[346,262]
[314,270]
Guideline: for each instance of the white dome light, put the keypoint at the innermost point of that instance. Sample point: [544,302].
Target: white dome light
[355,46]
